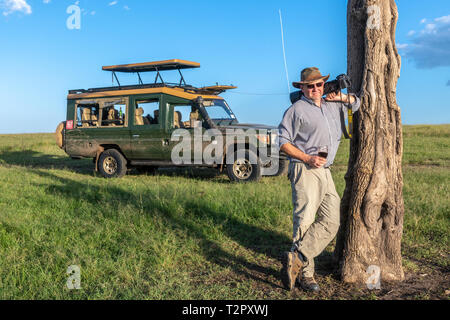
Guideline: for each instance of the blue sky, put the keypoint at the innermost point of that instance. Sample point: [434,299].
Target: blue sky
[236,42]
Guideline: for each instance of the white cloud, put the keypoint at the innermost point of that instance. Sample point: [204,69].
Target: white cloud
[444,19]
[423,21]
[430,48]
[113,3]
[47,1]
[411,33]
[11,6]
[402,45]
[429,28]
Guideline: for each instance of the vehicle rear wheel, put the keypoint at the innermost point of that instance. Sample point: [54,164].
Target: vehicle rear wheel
[112,164]
[242,170]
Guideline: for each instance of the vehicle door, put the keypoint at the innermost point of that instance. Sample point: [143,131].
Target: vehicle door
[185,123]
[147,126]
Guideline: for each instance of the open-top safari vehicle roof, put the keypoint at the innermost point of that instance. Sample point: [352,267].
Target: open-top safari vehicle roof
[175,64]
[180,89]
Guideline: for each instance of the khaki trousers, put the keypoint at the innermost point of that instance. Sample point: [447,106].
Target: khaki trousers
[316,211]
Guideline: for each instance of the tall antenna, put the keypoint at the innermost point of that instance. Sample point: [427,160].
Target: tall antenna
[284,52]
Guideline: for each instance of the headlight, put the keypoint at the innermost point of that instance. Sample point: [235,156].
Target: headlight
[264,138]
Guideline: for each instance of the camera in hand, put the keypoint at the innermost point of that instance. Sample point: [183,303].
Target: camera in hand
[342,82]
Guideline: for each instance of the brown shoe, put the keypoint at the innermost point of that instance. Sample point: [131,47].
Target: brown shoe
[291,268]
[309,284]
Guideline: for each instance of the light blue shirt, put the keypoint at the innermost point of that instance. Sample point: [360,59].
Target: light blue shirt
[307,126]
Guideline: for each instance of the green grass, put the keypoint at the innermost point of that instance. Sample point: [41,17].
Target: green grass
[178,235]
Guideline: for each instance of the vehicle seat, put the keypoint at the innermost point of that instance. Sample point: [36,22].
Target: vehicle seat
[86,116]
[138,115]
[112,116]
[177,119]
[94,120]
[193,118]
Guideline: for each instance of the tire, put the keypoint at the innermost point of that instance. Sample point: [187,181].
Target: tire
[59,135]
[112,164]
[242,170]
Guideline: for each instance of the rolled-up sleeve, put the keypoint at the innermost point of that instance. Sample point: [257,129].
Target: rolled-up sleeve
[357,104]
[287,128]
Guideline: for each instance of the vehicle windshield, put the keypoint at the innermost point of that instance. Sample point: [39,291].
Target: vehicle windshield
[219,111]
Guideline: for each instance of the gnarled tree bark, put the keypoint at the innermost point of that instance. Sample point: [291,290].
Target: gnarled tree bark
[372,207]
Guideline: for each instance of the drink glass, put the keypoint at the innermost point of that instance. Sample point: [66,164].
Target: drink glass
[323,152]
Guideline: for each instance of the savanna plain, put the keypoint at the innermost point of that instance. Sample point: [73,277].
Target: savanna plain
[190,233]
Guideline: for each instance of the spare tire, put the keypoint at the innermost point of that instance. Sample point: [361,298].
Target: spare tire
[59,135]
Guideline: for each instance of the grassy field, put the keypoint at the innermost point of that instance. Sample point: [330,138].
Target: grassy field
[190,234]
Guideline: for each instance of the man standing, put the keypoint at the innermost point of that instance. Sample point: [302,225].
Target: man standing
[312,123]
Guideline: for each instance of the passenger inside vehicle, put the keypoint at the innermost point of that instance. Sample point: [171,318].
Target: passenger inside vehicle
[148,120]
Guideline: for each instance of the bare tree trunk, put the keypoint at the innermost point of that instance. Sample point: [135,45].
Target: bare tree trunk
[372,207]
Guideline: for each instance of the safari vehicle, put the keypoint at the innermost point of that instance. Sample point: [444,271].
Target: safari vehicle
[133,126]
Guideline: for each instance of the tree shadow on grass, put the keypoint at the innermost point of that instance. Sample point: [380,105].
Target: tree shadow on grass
[195,173]
[326,265]
[252,238]
[36,160]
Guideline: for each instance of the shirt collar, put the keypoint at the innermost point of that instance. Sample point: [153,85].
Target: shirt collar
[310,101]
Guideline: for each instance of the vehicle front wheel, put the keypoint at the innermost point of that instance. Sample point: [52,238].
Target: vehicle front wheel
[112,164]
[242,170]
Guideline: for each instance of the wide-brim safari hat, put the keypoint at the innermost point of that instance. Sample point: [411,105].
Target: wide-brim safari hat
[310,75]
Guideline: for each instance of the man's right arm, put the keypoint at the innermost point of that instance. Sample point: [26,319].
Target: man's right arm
[287,131]
[294,152]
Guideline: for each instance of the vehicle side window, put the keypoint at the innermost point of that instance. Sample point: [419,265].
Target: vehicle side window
[114,115]
[87,116]
[146,113]
[184,116]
